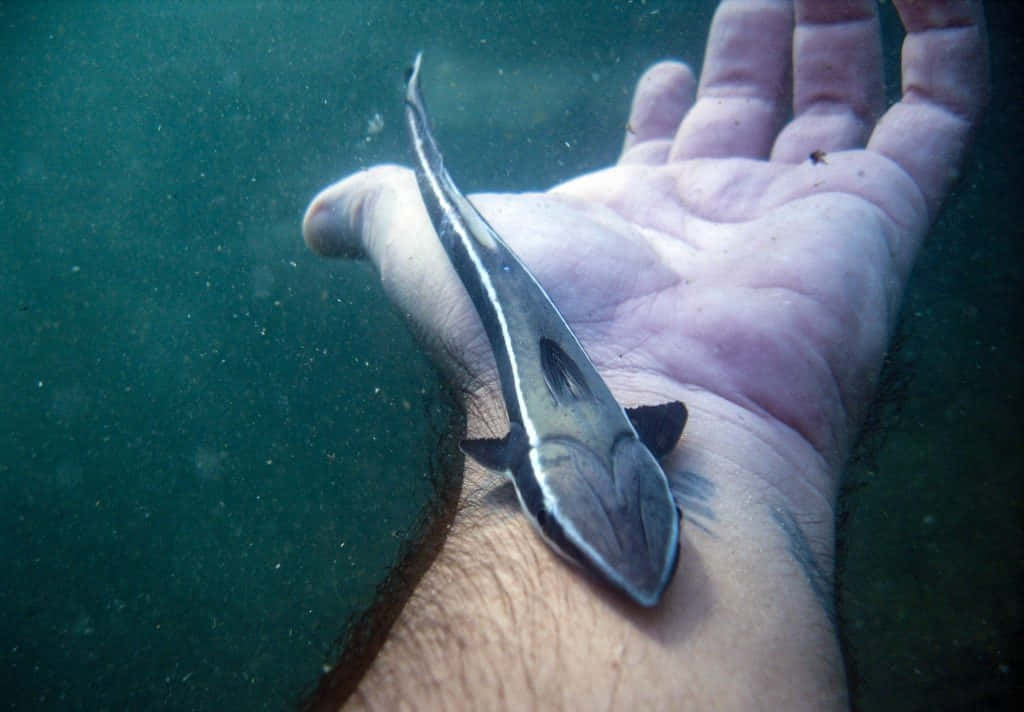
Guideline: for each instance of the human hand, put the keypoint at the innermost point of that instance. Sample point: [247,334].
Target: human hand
[717,254]
[717,264]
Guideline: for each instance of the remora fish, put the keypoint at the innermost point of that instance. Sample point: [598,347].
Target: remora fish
[584,471]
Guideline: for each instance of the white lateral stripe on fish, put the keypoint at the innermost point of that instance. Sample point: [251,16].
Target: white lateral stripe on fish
[584,469]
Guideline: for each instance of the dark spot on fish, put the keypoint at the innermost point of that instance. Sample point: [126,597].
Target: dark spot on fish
[817,156]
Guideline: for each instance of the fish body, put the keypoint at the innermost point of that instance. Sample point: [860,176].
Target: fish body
[584,469]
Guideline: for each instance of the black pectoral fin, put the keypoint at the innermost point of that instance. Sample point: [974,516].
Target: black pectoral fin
[659,426]
[562,374]
[502,454]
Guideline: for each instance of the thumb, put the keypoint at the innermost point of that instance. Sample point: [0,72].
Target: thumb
[346,217]
[378,214]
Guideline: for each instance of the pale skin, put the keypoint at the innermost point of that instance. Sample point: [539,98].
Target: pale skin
[718,264]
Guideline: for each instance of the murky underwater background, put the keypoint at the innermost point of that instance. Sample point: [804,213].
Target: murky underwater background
[213,444]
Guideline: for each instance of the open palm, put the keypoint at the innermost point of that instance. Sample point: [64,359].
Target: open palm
[754,238]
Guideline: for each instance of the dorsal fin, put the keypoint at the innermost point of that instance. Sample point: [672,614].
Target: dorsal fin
[564,378]
[659,427]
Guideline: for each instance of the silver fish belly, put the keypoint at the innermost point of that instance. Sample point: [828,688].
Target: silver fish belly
[584,470]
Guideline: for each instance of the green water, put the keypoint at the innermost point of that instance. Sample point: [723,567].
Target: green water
[213,444]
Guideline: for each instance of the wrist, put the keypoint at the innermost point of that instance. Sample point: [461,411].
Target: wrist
[501,621]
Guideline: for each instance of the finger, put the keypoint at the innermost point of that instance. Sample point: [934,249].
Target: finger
[378,214]
[838,87]
[945,88]
[744,87]
[663,95]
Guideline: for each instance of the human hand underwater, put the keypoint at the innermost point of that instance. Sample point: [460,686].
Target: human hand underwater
[733,249]
[746,255]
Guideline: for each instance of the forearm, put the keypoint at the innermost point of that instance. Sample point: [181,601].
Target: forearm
[499,621]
